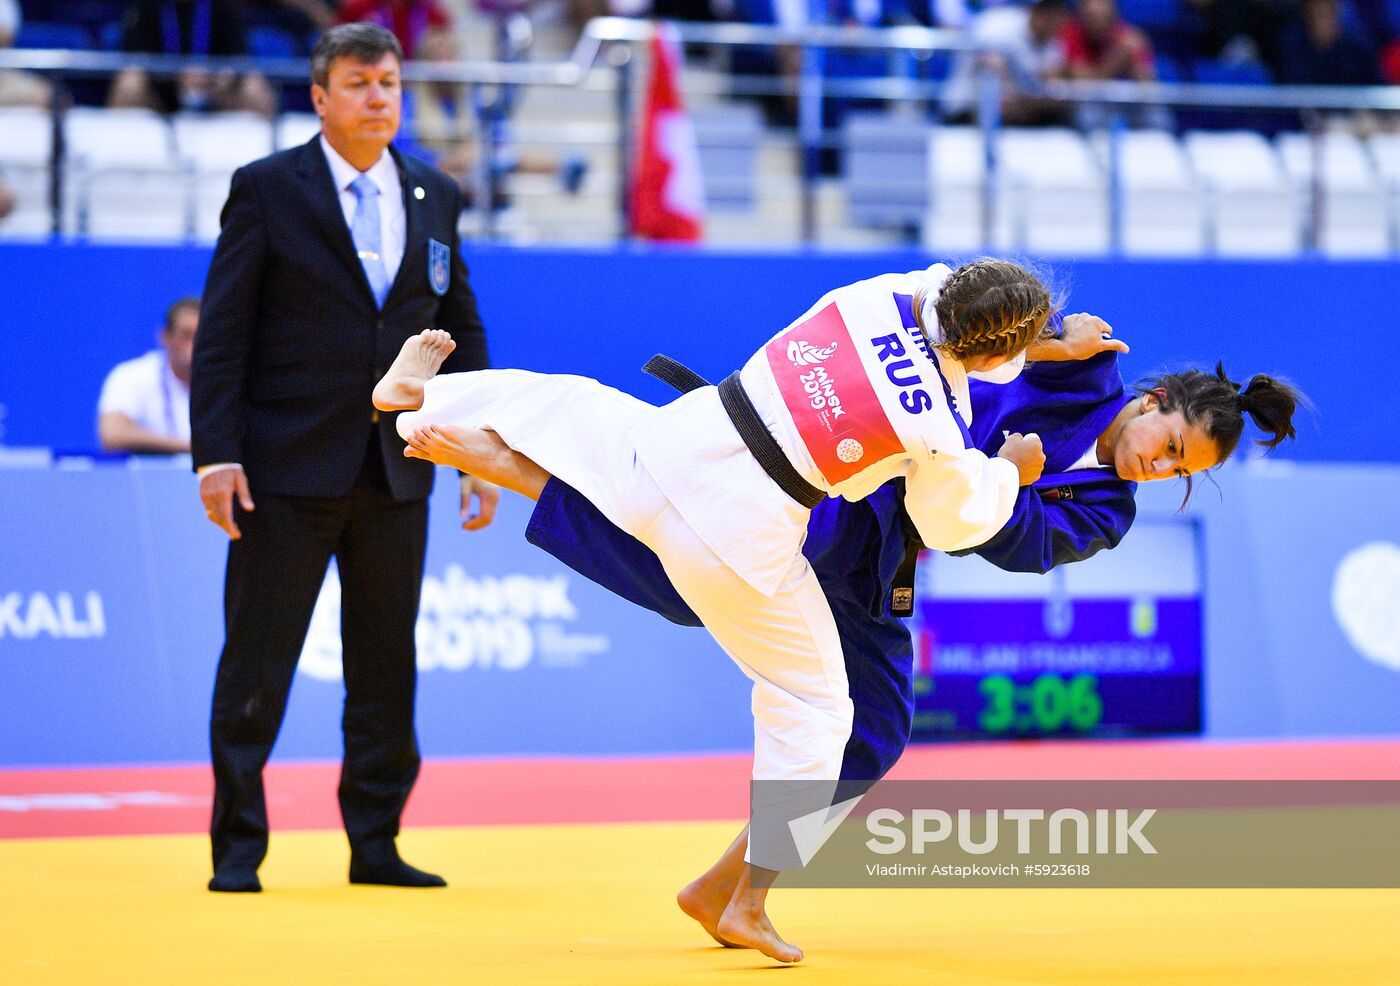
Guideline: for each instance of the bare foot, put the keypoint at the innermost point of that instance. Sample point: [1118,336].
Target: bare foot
[418,361]
[479,452]
[705,902]
[746,928]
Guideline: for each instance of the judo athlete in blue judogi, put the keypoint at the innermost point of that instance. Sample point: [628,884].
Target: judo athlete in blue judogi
[1100,439]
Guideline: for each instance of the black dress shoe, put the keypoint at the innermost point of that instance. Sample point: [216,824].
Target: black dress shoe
[392,873]
[236,882]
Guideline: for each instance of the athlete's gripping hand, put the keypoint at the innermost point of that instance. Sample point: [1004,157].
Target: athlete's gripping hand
[1084,336]
[1026,454]
[1088,335]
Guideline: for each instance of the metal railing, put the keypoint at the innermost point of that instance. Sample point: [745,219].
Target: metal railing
[608,44]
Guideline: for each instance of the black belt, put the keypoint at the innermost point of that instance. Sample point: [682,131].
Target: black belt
[677,375]
[747,421]
[744,415]
[902,589]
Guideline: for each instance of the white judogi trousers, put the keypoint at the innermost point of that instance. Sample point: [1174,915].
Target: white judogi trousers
[786,643]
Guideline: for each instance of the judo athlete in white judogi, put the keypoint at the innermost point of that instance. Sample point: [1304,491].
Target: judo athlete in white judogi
[869,385]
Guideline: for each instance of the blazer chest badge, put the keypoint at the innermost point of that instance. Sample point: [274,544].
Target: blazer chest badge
[439,267]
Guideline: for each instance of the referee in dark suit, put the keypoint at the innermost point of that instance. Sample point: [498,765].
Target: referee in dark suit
[331,255]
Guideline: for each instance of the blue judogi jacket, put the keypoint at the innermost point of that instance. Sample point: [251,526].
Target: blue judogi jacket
[855,548]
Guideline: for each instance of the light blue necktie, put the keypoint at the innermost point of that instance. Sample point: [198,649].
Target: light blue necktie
[364,230]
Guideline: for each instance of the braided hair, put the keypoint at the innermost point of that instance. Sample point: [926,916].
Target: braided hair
[990,308]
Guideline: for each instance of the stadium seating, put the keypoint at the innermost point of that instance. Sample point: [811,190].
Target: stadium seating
[1054,192]
[1162,208]
[25,157]
[1351,216]
[887,170]
[123,181]
[728,136]
[1385,154]
[956,165]
[1254,209]
[271,42]
[294,129]
[212,147]
[1051,198]
[132,175]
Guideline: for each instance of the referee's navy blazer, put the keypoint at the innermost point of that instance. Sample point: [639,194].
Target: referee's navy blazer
[291,341]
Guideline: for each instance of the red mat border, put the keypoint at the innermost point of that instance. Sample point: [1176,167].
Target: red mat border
[157,800]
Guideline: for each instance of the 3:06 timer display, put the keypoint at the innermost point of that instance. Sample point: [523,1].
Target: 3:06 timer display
[1047,704]
[1002,704]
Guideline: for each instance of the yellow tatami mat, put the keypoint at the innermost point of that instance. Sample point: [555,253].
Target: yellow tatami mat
[595,904]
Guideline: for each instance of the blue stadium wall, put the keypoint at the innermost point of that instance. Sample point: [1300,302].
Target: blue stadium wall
[1328,325]
[111,576]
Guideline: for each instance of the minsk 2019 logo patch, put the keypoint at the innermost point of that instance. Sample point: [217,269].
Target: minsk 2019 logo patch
[806,354]
[826,389]
[439,267]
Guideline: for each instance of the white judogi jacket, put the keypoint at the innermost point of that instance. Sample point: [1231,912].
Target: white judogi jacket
[855,399]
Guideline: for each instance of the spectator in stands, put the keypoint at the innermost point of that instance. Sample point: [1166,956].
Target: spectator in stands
[189,27]
[1098,44]
[1390,63]
[7,200]
[18,88]
[423,27]
[1320,52]
[145,402]
[1029,38]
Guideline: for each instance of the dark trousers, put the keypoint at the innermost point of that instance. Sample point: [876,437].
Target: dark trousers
[274,576]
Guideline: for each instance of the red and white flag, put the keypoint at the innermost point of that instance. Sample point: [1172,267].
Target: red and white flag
[668,196]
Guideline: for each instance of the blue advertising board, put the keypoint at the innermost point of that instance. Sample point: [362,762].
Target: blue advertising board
[110,629]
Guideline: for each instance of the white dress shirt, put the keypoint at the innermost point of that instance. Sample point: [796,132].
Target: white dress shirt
[148,392]
[393,220]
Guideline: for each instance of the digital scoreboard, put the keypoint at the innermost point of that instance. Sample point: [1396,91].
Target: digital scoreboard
[1110,646]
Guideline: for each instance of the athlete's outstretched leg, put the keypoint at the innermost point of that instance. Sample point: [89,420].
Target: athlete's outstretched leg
[401,389]
[479,452]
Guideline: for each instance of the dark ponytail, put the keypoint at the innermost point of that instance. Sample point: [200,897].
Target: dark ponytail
[1217,405]
[1270,403]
